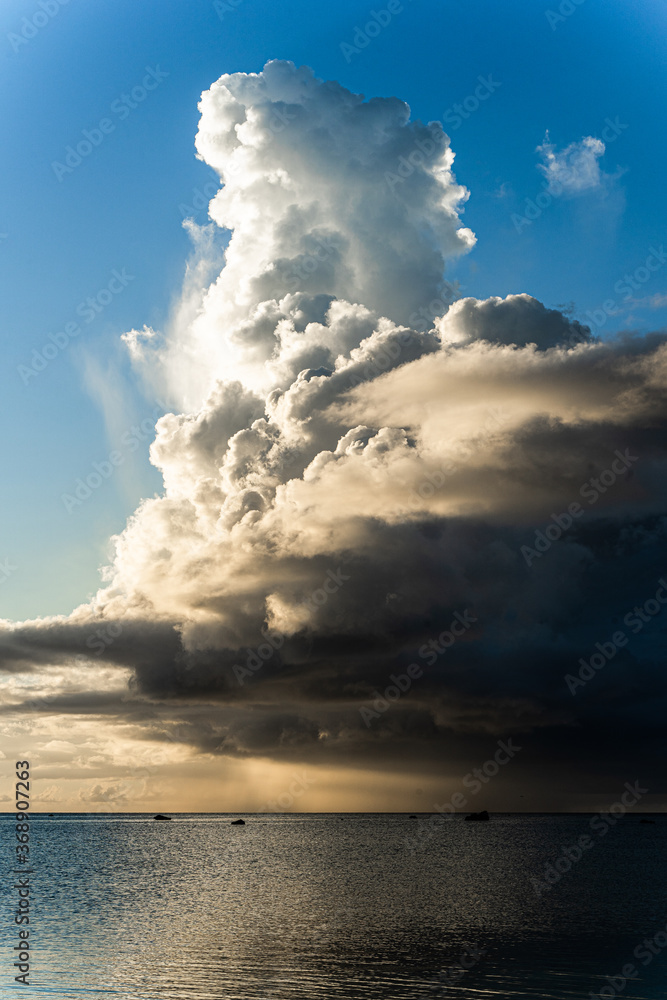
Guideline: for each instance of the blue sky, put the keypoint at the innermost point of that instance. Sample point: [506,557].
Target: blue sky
[119,210]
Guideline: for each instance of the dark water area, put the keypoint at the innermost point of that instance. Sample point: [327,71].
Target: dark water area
[340,906]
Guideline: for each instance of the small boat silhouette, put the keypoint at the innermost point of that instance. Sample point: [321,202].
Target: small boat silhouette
[480,817]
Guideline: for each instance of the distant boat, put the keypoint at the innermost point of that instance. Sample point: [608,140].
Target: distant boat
[480,817]
[160,816]
[238,822]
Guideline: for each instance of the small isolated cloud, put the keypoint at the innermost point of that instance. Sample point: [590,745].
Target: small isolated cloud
[657,301]
[574,169]
[102,793]
[59,747]
[50,794]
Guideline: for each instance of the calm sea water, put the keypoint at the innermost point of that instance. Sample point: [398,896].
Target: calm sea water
[293,907]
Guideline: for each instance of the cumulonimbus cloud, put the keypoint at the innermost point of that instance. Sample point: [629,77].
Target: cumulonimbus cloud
[359,457]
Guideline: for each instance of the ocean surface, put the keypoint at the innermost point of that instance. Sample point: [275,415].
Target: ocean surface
[290,907]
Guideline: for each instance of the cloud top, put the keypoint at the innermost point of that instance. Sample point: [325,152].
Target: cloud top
[302,164]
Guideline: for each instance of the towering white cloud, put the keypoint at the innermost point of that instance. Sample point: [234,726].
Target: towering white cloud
[357,460]
[304,166]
